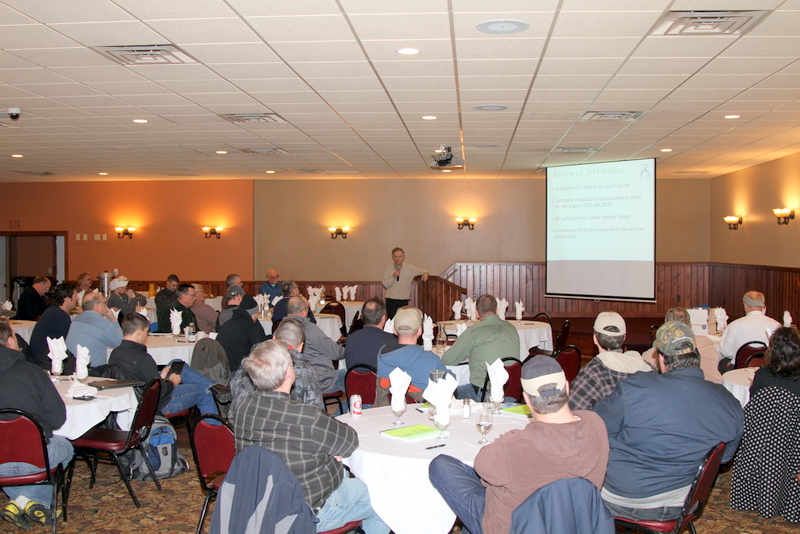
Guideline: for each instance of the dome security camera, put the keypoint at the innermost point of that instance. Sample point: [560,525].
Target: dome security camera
[14,113]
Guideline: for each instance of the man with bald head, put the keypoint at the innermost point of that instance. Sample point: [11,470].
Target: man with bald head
[754,326]
[271,288]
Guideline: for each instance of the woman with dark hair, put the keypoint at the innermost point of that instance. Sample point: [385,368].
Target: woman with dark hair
[783,363]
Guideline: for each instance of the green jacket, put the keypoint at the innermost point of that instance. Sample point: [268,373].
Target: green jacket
[483,343]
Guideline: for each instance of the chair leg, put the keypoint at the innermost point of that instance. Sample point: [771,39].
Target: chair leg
[93,469]
[125,480]
[691,527]
[149,467]
[210,494]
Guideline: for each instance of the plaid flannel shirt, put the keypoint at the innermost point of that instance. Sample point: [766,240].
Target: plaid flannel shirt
[594,383]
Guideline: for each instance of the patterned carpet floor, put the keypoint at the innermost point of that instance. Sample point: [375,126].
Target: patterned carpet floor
[108,509]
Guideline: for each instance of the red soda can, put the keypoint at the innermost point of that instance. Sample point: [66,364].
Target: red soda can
[355,406]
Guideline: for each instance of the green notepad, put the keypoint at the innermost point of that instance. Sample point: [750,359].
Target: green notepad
[522,410]
[411,432]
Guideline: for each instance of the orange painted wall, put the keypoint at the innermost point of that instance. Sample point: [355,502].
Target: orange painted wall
[168,216]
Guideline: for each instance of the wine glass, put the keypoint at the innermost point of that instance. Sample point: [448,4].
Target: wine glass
[439,425]
[399,413]
[484,421]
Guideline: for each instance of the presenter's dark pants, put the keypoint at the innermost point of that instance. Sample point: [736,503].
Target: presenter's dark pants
[392,305]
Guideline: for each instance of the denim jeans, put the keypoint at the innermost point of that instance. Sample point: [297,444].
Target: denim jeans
[350,502]
[645,514]
[58,451]
[461,488]
[192,391]
[468,391]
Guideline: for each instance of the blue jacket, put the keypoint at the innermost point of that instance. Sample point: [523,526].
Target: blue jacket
[566,506]
[661,426]
[95,332]
[412,359]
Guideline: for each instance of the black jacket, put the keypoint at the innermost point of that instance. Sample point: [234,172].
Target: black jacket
[131,361]
[238,335]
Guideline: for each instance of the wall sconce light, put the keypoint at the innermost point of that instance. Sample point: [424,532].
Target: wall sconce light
[733,222]
[122,232]
[209,231]
[469,223]
[783,215]
[336,232]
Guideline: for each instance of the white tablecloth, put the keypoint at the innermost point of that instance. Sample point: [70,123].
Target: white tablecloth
[396,471]
[23,328]
[330,324]
[531,334]
[350,309]
[738,382]
[164,349]
[83,415]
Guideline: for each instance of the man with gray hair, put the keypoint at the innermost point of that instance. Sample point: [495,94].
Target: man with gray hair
[754,326]
[319,348]
[307,439]
[96,328]
[557,444]
[206,315]
[397,279]
[289,289]
[598,378]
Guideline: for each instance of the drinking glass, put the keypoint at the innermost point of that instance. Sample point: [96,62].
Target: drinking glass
[436,375]
[438,425]
[484,421]
[399,413]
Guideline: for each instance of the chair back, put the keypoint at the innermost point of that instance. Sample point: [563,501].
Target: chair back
[702,485]
[360,380]
[561,338]
[213,447]
[335,308]
[746,350]
[146,412]
[569,358]
[543,317]
[22,440]
[513,386]
[275,325]
[357,324]
[759,359]
[653,329]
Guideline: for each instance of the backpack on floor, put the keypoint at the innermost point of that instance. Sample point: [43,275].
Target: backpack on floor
[161,446]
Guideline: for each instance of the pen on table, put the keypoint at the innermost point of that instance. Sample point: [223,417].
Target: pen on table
[435,446]
[420,411]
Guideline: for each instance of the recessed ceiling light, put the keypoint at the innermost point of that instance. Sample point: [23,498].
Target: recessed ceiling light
[140,121]
[429,117]
[666,150]
[270,172]
[103,173]
[408,51]
[446,170]
[491,107]
[16,155]
[502,26]
[732,116]
[222,151]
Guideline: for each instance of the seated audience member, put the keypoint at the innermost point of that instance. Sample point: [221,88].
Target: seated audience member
[306,388]
[206,315]
[598,378]
[184,305]
[783,363]
[709,355]
[557,444]
[23,386]
[754,326]
[167,296]
[96,328]
[307,439]
[122,299]
[84,285]
[54,323]
[289,289]
[232,280]
[404,353]
[230,301]
[271,288]
[179,391]
[363,345]
[319,349]
[32,302]
[238,335]
[482,343]
[661,426]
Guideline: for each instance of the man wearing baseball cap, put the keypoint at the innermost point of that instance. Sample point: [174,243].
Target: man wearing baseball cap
[661,426]
[598,378]
[557,444]
[123,299]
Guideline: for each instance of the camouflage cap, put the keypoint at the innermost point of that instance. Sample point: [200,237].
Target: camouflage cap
[674,338]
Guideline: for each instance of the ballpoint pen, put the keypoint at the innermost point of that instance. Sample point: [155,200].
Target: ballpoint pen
[435,446]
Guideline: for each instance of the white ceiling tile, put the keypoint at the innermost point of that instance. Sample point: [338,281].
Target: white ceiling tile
[32,36]
[430,49]
[402,26]
[505,48]
[253,8]
[583,47]
[339,69]
[275,85]
[569,82]
[49,11]
[729,65]
[194,31]
[579,67]
[200,86]
[176,9]
[224,53]
[767,47]
[328,51]
[306,28]
[31,76]
[664,66]
[604,24]
[664,46]
[108,33]
[129,88]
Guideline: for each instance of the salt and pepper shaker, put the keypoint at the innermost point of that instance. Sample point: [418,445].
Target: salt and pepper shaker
[465,409]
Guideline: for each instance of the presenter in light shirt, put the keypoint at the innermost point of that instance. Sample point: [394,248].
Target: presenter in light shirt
[397,279]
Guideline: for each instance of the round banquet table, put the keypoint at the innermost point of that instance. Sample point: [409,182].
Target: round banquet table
[531,334]
[83,415]
[164,349]
[396,471]
[23,328]
[738,382]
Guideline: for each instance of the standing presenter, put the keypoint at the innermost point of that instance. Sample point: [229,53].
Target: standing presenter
[397,280]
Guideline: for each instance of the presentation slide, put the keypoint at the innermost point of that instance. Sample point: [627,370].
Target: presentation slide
[601,230]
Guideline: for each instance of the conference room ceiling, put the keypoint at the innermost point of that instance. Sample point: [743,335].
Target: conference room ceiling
[340,102]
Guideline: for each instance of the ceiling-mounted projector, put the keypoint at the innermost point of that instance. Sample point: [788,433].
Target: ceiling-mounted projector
[445,160]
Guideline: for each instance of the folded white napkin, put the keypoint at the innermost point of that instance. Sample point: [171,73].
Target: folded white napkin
[353,292]
[439,394]
[427,333]
[143,312]
[58,353]
[175,320]
[276,300]
[460,329]
[96,291]
[389,326]
[469,307]
[769,331]
[399,382]
[260,300]
[787,319]
[502,306]
[338,291]
[518,309]
[7,305]
[498,376]
[80,390]
[313,301]
[115,311]
[721,318]
[457,305]
[82,363]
